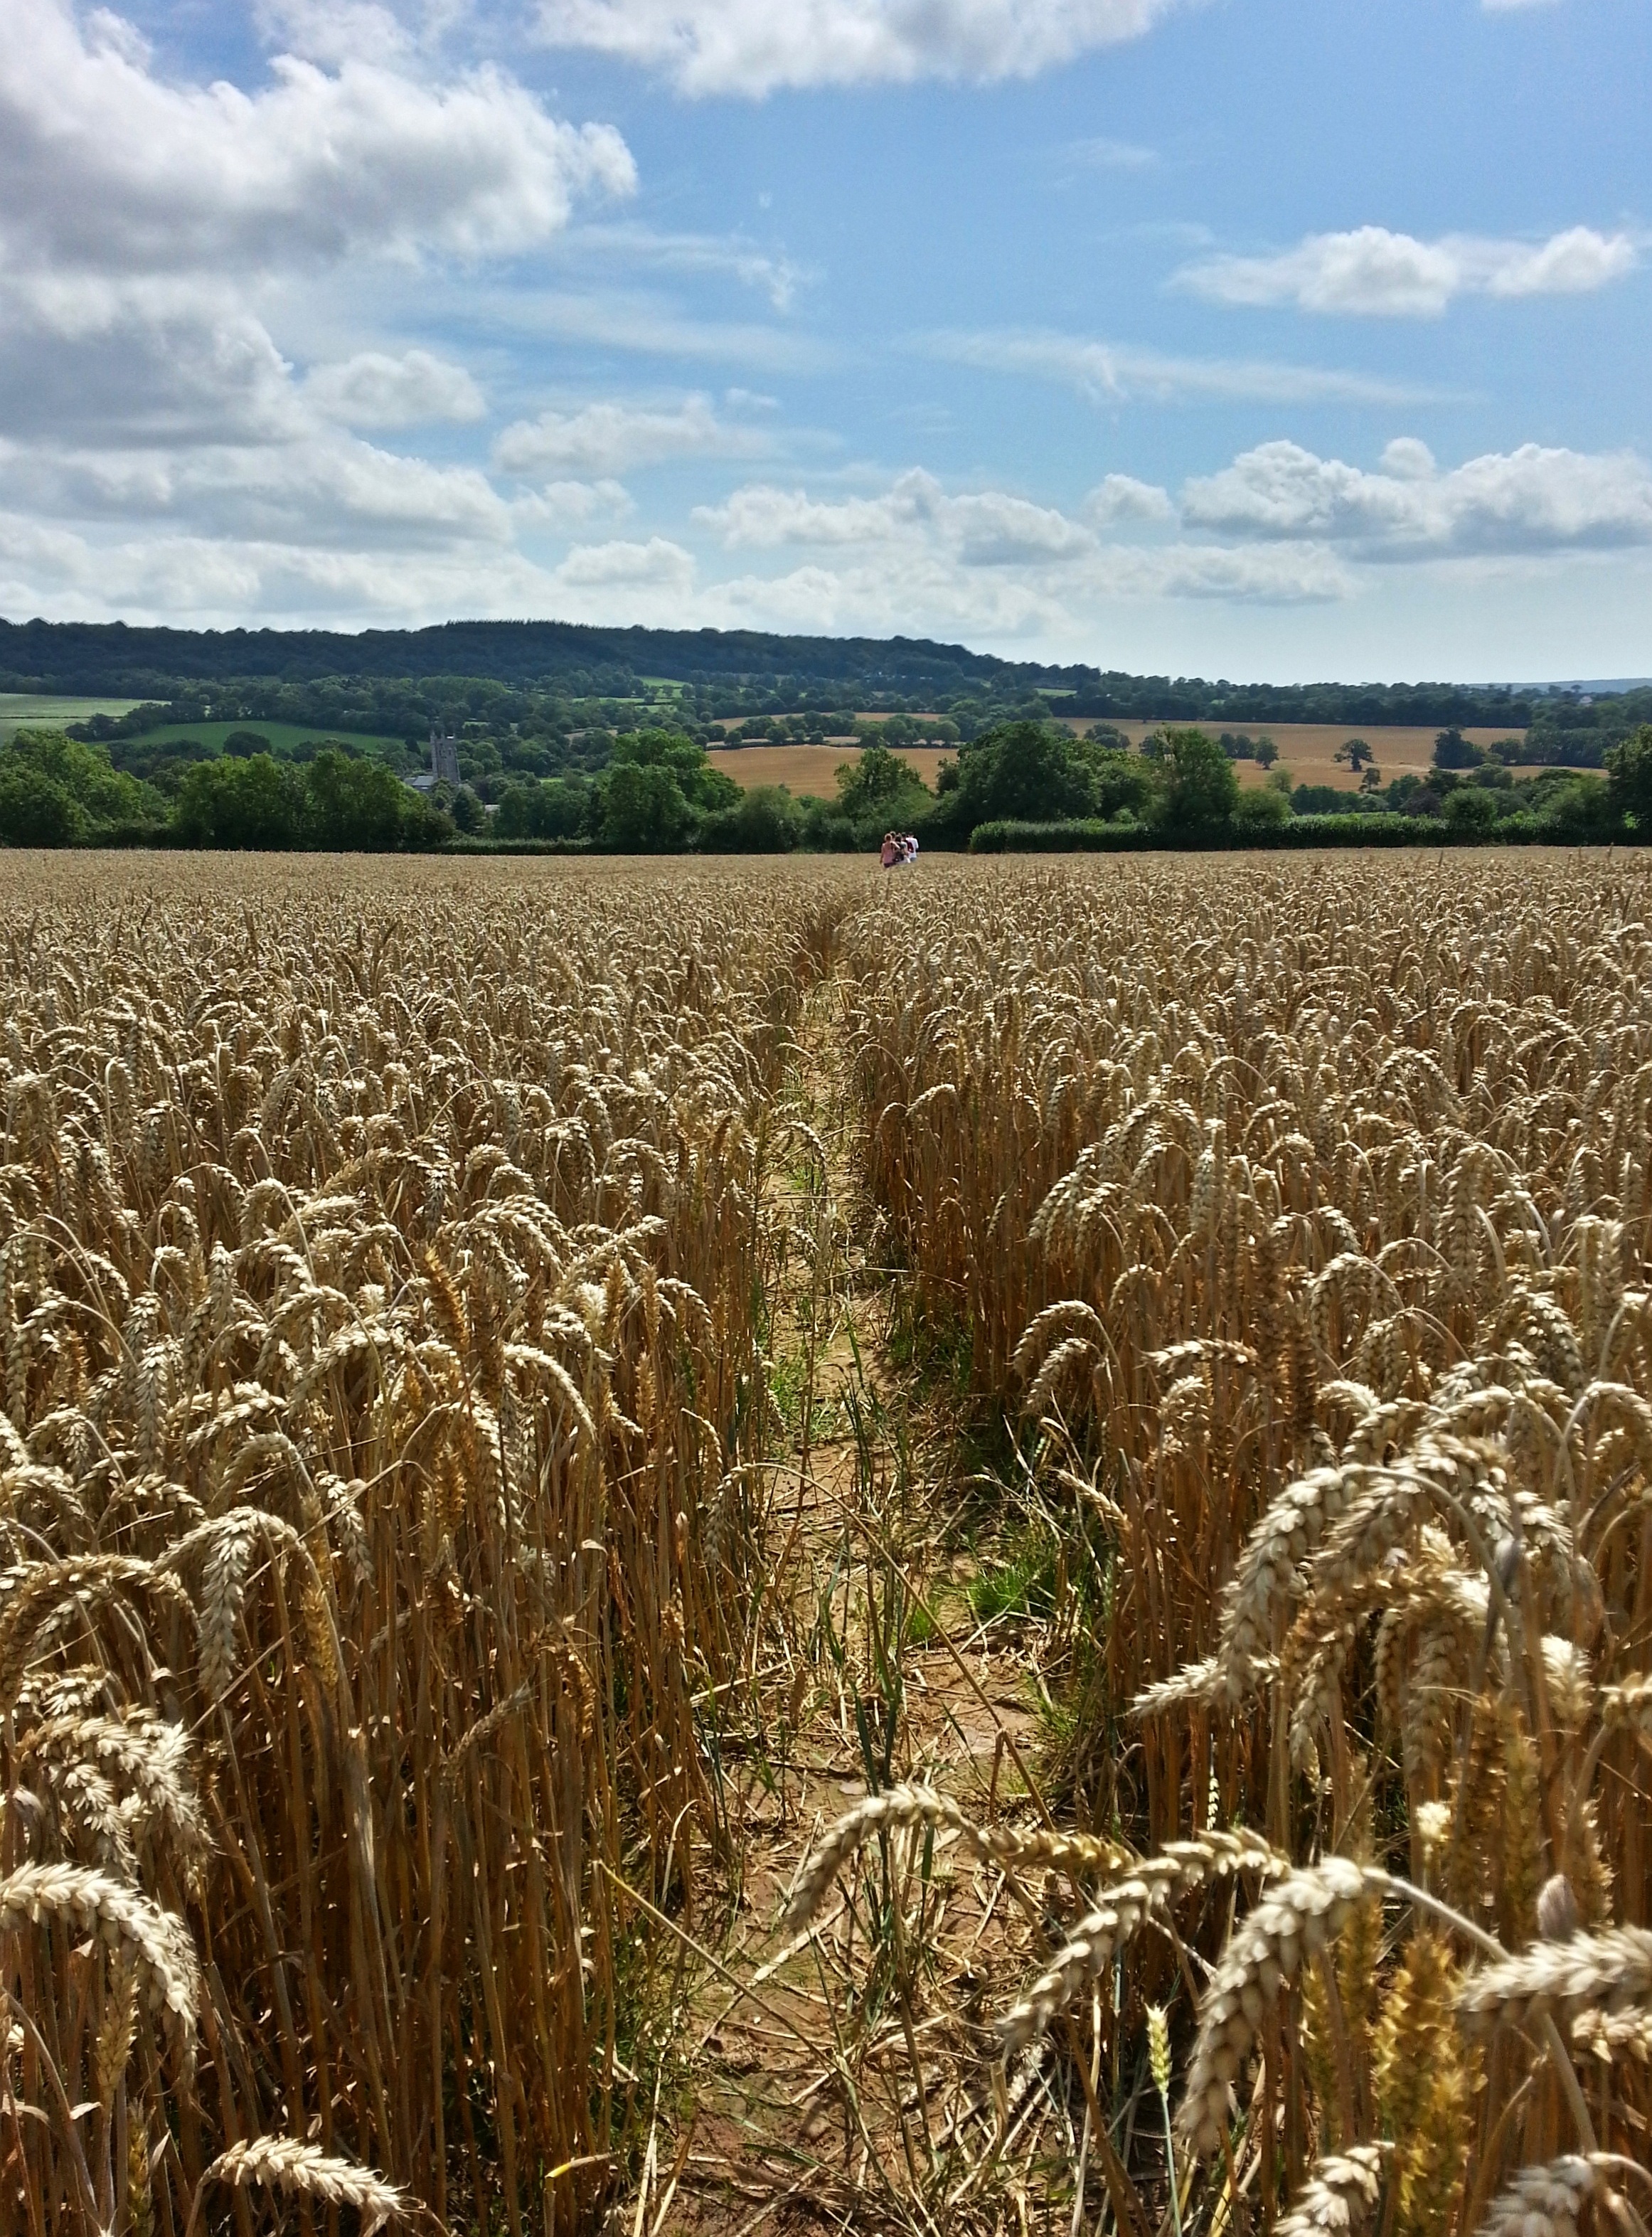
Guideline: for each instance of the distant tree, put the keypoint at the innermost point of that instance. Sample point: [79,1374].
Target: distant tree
[1403,789]
[566,807]
[34,810]
[1453,751]
[356,806]
[1028,771]
[1265,751]
[1581,809]
[1470,813]
[468,812]
[644,809]
[1260,809]
[1322,800]
[1121,783]
[258,802]
[558,809]
[105,800]
[518,805]
[1354,754]
[878,786]
[1372,779]
[766,820]
[705,788]
[1201,788]
[242,744]
[1629,782]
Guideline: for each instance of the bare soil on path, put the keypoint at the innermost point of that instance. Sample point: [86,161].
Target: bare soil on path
[832,2088]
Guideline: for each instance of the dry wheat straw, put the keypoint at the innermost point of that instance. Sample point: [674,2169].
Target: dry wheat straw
[903,1807]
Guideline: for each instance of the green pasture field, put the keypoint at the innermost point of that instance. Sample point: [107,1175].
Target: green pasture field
[284,737]
[28,710]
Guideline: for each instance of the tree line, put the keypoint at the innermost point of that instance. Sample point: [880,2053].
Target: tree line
[1020,783]
[58,791]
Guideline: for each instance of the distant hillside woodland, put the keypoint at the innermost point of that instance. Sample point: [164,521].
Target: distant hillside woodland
[574,738]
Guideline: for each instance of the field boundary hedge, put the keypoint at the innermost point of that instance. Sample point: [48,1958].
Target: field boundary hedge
[1092,837]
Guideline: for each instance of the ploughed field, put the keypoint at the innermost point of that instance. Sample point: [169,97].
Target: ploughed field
[721,1544]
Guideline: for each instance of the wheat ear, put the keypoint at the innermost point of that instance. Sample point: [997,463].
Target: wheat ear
[1264,1953]
[1180,1866]
[282,2163]
[913,1805]
[1608,1972]
[1546,2201]
[1340,2195]
[125,1919]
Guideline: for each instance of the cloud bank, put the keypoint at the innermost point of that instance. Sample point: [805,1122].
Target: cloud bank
[373,389]
[1372,273]
[1532,501]
[755,47]
[106,166]
[162,452]
[613,438]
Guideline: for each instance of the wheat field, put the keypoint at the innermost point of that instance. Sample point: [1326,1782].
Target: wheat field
[1032,1483]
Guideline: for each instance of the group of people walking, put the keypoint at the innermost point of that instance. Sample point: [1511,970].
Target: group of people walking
[898,851]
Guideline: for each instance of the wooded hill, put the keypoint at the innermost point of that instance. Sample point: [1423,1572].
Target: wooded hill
[748,669]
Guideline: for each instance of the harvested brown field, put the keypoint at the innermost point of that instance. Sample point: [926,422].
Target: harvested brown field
[1306,751]
[747,1546]
[1309,750]
[810,771]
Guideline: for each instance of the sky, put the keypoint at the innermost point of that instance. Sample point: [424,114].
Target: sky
[1276,340]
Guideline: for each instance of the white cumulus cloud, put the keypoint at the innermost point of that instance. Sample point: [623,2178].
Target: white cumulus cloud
[563,506]
[1530,500]
[334,30]
[1121,499]
[610,439]
[154,231]
[980,529]
[657,565]
[107,167]
[914,537]
[1372,273]
[752,47]
[373,389]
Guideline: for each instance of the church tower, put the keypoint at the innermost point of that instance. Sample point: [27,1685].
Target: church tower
[444,756]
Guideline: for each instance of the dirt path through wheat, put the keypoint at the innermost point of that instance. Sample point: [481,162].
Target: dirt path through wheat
[798,2094]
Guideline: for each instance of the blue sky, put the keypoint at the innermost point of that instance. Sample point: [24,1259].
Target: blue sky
[1250,337]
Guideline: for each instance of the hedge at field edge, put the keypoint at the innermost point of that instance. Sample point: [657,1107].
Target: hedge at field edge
[1089,837]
